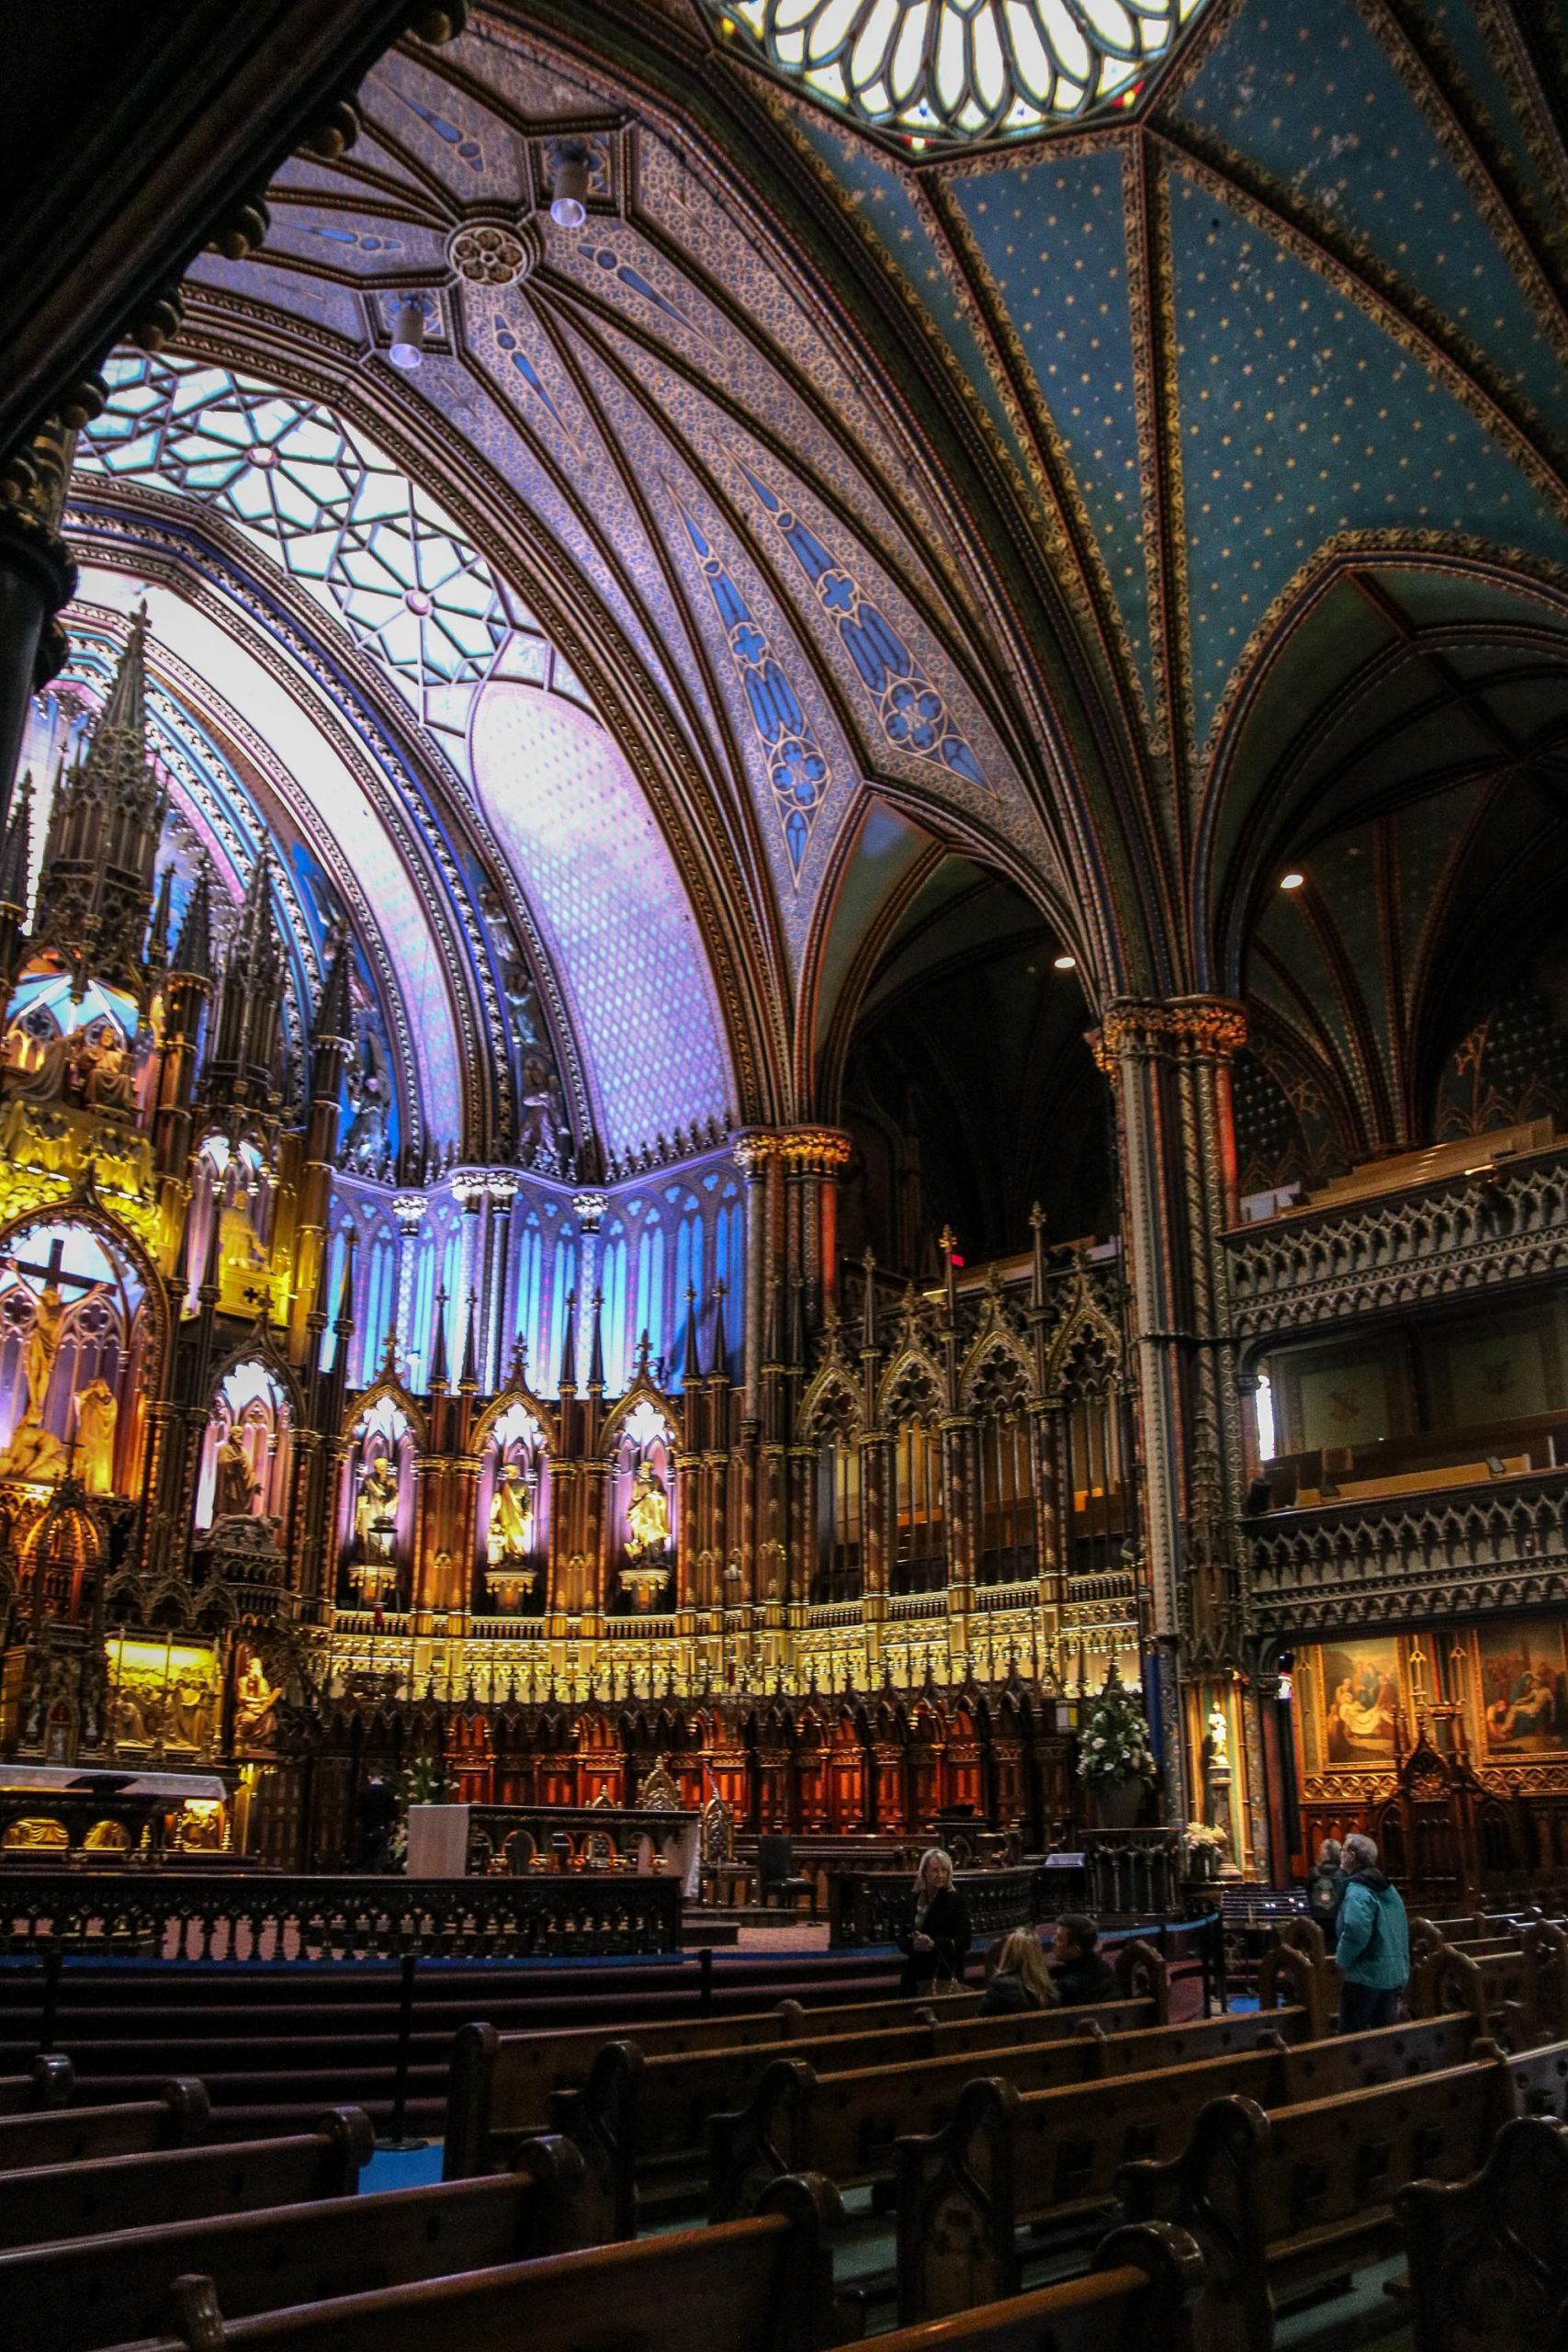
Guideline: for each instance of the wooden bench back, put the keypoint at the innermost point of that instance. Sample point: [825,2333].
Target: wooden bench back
[177,2119]
[75,2201]
[1138,2297]
[1327,2159]
[91,2291]
[1275,2200]
[48,2083]
[764,2285]
[501,2084]
[1515,2209]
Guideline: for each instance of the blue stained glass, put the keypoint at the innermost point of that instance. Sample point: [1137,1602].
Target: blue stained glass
[424,1308]
[563,1282]
[650,1316]
[612,1323]
[530,1269]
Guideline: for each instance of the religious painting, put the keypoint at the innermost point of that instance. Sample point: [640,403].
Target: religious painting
[1345,1404]
[1493,1377]
[162,1697]
[1356,1703]
[1524,1687]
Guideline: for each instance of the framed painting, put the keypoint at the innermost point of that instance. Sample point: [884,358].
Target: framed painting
[1355,1699]
[1524,1687]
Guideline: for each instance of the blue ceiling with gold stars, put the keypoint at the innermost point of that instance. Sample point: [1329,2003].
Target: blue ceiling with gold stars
[990,482]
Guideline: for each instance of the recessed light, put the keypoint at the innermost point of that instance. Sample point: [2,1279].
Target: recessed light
[1066,963]
[1291,881]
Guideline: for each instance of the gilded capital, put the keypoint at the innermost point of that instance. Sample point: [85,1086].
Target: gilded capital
[1173,1027]
[811,1151]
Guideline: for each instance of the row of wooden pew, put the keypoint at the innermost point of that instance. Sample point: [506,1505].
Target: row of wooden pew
[1233,2160]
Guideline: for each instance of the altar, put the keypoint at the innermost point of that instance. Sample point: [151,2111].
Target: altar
[502,1839]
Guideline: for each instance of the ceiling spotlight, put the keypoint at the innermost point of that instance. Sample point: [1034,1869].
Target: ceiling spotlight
[1291,881]
[569,197]
[1066,963]
[408,335]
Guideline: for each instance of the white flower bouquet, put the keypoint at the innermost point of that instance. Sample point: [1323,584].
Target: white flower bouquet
[1113,1740]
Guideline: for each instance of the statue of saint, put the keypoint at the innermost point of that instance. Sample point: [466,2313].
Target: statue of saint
[235,1485]
[647,1516]
[376,1511]
[1219,1739]
[96,1412]
[255,1705]
[110,1076]
[510,1533]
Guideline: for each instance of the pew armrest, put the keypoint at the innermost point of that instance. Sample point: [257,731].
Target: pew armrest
[1142,1974]
[1172,2262]
[750,2146]
[189,2111]
[957,2207]
[556,2220]
[1516,2208]
[53,2082]
[806,2315]
[600,2120]
[476,2053]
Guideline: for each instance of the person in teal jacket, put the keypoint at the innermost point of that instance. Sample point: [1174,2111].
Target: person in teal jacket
[1373,1948]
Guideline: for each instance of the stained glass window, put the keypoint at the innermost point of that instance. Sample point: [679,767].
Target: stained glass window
[367,543]
[960,69]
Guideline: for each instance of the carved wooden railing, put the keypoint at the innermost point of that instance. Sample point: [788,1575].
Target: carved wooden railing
[1499,1544]
[1455,1235]
[256,1917]
[872,1906]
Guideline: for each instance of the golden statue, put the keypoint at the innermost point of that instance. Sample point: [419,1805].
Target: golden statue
[235,1484]
[510,1533]
[110,1077]
[96,1412]
[1218,1741]
[376,1511]
[647,1516]
[255,1705]
[35,1452]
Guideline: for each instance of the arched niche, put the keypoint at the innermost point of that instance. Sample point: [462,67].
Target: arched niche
[376,1507]
[643,1506]
[247,1453]
[512,1519]
[77,1349]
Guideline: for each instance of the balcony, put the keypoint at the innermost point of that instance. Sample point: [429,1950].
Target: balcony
[1441,1224]
[1493,1542]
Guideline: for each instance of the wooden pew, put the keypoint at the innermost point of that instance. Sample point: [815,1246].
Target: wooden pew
[63,2135]
[1059,2154]
[1489,2255]
[1518,1993]
[75,2201]
[501,2083]
[1284,2201]
[1137,2295]
[762,2285]
[847,2125]
[84,2292]
[48,2082]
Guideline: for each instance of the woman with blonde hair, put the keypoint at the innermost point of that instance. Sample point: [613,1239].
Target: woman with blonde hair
[936,1942]
[1022,1981]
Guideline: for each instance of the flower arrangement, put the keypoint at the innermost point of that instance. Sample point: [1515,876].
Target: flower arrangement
[1113,1740]
[1200,1839]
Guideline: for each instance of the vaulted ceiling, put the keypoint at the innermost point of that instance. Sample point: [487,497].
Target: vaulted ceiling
[1005,493]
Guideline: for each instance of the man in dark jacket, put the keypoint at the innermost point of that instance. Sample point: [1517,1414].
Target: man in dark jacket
[1079,1972]
[1374,1950]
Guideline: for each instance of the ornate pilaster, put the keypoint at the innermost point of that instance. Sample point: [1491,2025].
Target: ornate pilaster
[1169,1067]
[37,579]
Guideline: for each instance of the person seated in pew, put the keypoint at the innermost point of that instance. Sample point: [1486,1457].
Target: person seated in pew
[936,1942]
[1373,1947]
[1021,1980]
[1080,1973]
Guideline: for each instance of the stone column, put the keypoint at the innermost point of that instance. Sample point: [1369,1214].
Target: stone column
[589,1208]
[36,577]
[1169,1067]
[408,1208]
[503,1193]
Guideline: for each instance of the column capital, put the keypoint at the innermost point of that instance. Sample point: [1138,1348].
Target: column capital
[809,1150]
[1178,1026]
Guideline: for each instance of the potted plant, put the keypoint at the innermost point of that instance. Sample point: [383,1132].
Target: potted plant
[1116,1763]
